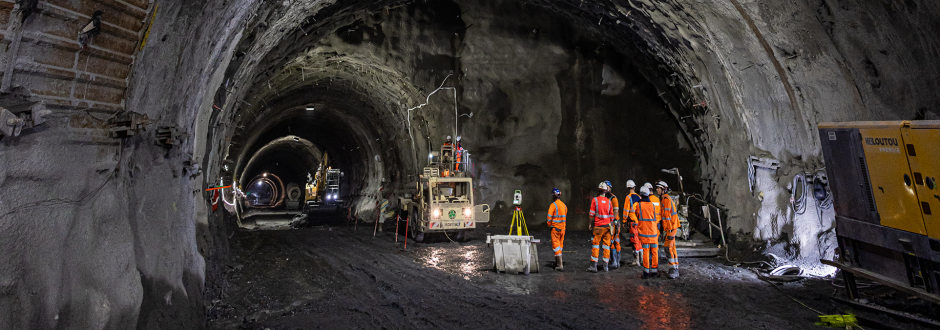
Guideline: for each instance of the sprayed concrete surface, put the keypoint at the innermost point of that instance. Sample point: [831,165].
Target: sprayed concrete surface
[339,277]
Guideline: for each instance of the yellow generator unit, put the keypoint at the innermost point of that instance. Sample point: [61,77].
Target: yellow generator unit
[883,177]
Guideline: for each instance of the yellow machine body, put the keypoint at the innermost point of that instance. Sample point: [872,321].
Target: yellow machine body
[883,178]
[903,163]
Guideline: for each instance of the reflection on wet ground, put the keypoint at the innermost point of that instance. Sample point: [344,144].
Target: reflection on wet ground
[340,278]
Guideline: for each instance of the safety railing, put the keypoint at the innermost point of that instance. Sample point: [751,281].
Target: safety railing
[706,211]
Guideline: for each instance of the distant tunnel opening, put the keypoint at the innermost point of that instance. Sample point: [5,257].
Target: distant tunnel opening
[541,101]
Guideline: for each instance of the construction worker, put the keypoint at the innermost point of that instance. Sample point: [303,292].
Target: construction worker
[601,215]
[447,156]
[449,142]
[458,152]
[631,199]
[646,214]
[615,226]
[557,214]
[670,221]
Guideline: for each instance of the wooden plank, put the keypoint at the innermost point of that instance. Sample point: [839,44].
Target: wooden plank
[58,59]
[72,45]
[884,280]
[69,102]
[36,69]
[112,6]
[78,21]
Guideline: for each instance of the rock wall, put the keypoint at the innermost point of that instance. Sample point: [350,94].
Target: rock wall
[103,233]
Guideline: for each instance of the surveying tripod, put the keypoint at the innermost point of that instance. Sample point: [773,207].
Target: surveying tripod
[518,222]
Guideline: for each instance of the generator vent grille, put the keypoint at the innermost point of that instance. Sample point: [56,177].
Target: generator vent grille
[868,192]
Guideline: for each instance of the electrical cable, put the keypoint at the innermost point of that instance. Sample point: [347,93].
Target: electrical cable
[763,278]
[799,201]
[426,102]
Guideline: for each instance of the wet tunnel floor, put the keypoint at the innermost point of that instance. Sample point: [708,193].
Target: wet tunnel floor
[340,278]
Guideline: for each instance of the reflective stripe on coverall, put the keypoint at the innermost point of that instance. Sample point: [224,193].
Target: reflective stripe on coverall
[557,214]
[670,228]
[647,214]
[601,213]
[615,237]
[630,218]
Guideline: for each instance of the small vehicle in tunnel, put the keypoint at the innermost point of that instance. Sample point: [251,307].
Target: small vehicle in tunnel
[323,188]
[443,198]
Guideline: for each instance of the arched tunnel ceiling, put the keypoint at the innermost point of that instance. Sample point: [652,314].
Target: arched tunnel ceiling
[340,57]
[740,77]
[298,155]
[274,55]
[729,85]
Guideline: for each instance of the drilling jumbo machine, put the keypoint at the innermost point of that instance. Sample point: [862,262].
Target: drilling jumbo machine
[322,190]
[883,177]
[441,201]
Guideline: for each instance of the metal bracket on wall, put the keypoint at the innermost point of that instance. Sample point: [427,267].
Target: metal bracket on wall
[128,124]
[169,136]
[13,125]
[753,163]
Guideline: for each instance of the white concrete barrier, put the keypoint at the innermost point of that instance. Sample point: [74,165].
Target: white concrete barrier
[514,254]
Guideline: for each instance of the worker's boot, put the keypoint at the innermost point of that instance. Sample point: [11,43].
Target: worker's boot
[645,276]
[673,274]
[615,262]
[593,267]
[654,274]
[605,267]
[559,266]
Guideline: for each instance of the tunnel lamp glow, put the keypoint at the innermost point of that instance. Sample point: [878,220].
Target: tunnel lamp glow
[437,214]
[310,108]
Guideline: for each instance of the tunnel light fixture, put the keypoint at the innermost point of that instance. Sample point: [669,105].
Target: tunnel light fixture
[310,108]
[265,175]
[437,214]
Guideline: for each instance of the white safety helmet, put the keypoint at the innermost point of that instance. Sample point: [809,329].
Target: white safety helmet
[662,184]
[458,138]
[644,191]
[648,186]
[602,186]
[631,184]
[448,138]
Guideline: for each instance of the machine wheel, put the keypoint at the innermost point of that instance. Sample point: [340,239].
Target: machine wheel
[418,237]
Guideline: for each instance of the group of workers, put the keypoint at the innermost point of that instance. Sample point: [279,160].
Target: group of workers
[648,215]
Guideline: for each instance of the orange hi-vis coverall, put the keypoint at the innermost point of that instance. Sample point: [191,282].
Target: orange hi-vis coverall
[631,200]
[602,214]
[615,240]
[670,228]
[646,213]
[557,214]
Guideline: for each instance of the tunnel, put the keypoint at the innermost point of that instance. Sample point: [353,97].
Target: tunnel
[134,150]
